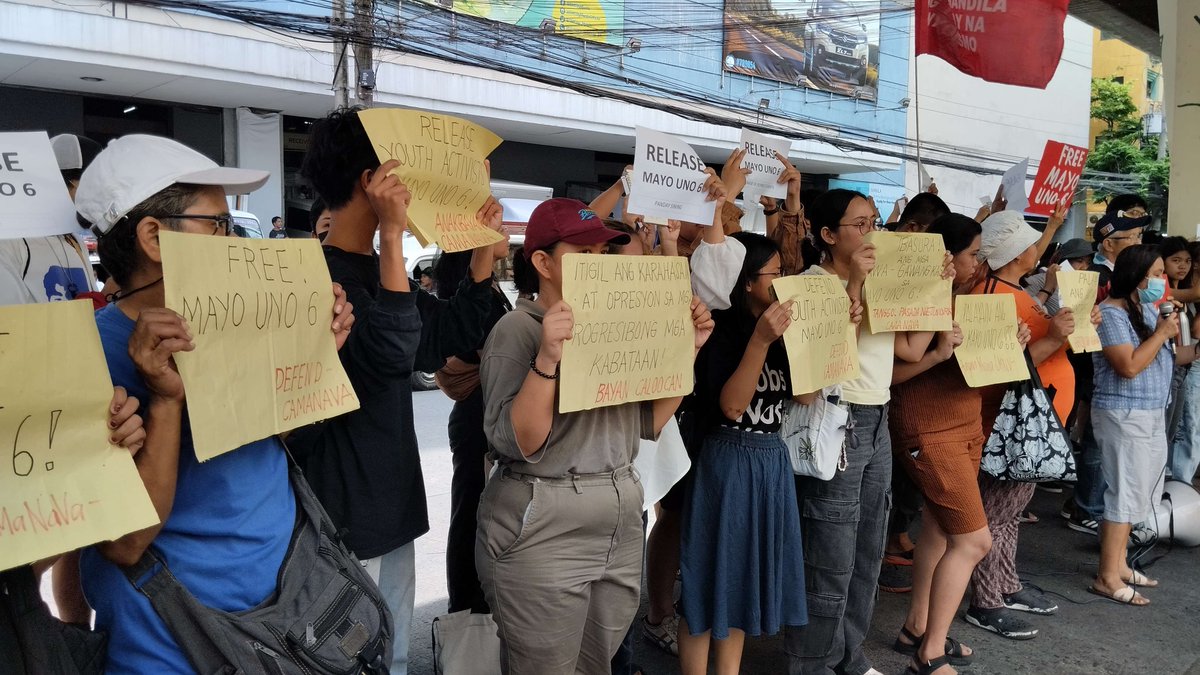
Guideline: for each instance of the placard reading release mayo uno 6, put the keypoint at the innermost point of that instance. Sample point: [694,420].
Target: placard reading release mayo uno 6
[906,290]
[668,180]
[62,485]
[34,202]
[633,339]
[765,167]
[260,312]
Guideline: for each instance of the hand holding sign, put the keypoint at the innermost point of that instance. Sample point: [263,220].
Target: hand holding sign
[33,200]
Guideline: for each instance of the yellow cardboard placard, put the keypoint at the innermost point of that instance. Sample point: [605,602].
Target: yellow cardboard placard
[265,359]
[633,338]
[821,344]
[62,485]
[441,162]
[990,352]
[906,290]
[1077,290]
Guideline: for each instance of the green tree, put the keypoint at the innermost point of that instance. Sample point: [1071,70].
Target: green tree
[1125,159]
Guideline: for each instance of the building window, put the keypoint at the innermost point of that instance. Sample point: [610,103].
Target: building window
[1151,85]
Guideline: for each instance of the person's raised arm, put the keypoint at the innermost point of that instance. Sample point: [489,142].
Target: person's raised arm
[607,201]
[1054,222]
[792,176]
[946,342]
[533,406]
[159,334]
[738,391]
[389,198]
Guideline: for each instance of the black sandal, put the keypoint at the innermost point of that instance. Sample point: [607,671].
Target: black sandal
[954,648]
[928,667]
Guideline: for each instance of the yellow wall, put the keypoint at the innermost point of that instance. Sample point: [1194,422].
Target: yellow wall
[1114,58]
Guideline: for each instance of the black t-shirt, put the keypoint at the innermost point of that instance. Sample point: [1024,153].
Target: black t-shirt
[719,359]
[277,234]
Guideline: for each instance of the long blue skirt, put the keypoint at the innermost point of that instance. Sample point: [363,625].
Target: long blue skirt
[742,562]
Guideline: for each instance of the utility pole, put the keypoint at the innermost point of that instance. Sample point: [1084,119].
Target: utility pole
[341,86]
[364,44]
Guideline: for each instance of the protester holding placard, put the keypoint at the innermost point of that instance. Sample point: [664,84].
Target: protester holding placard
[459,379]
[227,557]
[741,529]
[1043,285]
[1009,246]
[937,440]
[365,466]
[842,555]
[1178,267]
[559,545]
[920,212]
[1133,376]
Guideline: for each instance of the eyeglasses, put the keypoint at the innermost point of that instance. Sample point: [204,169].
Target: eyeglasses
[221,222]
[1135,212]
[864,224]
[776,274]
[1134,237]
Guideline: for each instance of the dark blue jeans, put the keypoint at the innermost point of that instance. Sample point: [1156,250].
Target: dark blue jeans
[1089,489]
[844,524]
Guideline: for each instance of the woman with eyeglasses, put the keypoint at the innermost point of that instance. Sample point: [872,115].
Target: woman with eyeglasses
[844,519]
[1132,378]
[740,561]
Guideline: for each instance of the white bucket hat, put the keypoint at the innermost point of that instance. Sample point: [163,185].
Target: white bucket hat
[1006,235]
[133,168]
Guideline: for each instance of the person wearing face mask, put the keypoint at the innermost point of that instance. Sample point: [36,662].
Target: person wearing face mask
[1132,379]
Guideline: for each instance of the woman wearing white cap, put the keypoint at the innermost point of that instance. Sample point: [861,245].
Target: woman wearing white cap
[1009,246]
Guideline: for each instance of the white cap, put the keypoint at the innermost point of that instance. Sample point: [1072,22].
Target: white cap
[73,152]
[1006,235]
[136,167]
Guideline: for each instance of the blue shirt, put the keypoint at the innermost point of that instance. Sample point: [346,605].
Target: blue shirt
[225,539]
[1149,389]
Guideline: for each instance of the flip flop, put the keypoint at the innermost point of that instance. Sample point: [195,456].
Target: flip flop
[1121,597]
[1139,579]
[1028,518]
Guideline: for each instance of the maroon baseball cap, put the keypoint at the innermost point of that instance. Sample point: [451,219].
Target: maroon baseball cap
[568,220]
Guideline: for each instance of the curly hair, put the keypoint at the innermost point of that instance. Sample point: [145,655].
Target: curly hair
[338,152]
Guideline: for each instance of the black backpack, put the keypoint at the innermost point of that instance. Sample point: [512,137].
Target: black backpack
[327,616]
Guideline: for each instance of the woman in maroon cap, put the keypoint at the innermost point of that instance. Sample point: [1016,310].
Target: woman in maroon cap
[559,545]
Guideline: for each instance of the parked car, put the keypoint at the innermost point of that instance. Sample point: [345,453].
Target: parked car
[246,225]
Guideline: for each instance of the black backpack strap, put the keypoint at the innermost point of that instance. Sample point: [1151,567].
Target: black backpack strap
[170,600]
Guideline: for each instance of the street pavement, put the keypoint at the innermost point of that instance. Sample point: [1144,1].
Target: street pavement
[1088,635]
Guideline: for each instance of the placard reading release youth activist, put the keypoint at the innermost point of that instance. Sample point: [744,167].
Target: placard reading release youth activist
[765,167]
[62,486]
[1057,177]
[265,360]
[1077,290]
[906,290]
[668,180]
[821,345]
[33,199]
[442,164]
[633,339]
[990,352]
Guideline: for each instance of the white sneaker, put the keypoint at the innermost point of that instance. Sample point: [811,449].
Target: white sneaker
[872,672]
[665,635]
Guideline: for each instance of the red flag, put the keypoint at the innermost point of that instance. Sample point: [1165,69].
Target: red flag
[1057,177]
[1005,41]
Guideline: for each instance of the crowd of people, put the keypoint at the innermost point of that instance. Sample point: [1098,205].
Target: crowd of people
[548,529]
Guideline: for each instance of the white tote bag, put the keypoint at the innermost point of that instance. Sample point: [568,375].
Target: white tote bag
[465,644]
[815,434]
